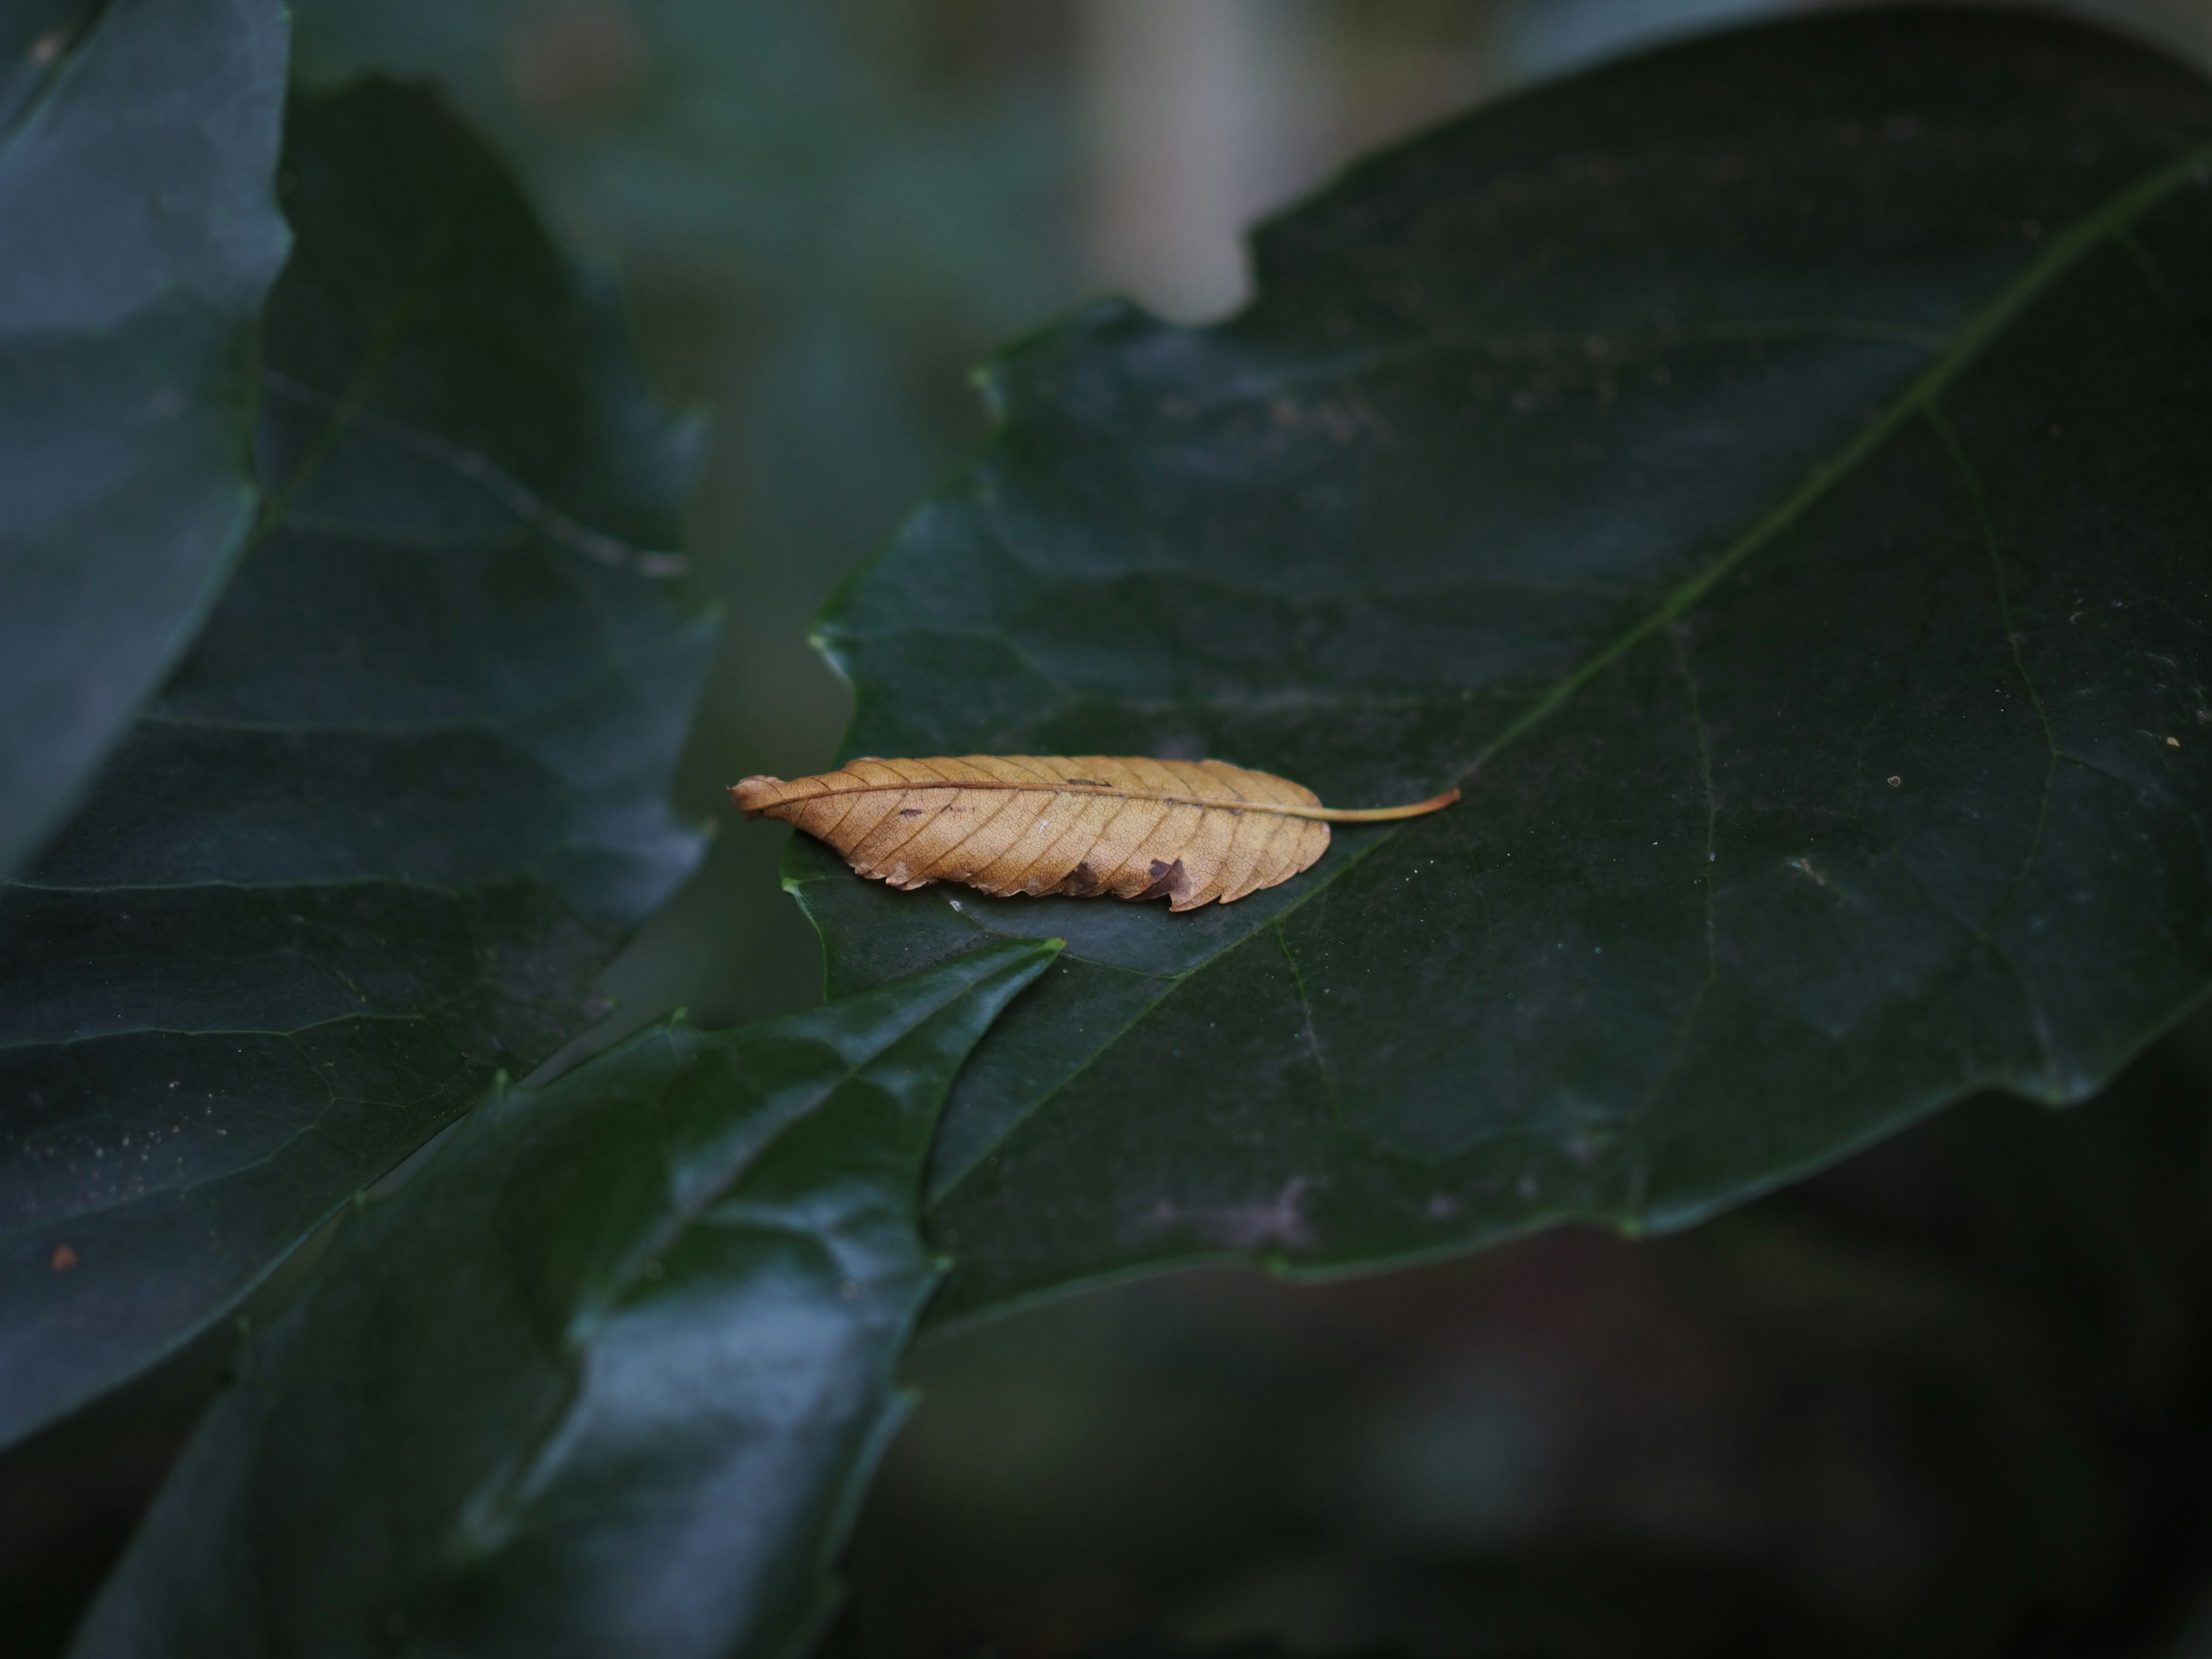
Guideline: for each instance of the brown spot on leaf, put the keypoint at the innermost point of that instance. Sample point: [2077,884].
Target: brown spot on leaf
[1169,881]
[62,1258]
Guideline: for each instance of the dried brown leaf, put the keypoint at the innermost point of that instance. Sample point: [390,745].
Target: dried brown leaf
[1189,831]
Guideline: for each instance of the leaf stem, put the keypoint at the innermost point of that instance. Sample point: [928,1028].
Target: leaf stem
[1368,814]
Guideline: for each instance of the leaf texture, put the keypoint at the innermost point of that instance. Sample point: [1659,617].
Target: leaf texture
[1189,831]
[1805,577]
[378,835]
[606,1378]
[138,206]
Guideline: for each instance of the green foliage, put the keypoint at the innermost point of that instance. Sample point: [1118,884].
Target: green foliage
[826,212]
[137,148]
[607,1377]
[1810,600]
[1766,476]
[377,836]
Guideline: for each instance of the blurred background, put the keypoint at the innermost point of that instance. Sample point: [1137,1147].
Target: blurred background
[1953,1398]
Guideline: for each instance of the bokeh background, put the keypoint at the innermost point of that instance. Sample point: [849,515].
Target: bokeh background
[1951,1399]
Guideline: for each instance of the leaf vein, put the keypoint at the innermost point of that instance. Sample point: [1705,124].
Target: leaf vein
[1962,346]
[1313,1033]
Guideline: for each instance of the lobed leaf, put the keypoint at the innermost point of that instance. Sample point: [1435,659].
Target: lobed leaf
[377,836]
[1769,477]
[607,1377]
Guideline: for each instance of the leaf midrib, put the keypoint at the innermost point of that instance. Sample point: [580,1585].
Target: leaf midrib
[385,339]
[1235,805]
[1962,346]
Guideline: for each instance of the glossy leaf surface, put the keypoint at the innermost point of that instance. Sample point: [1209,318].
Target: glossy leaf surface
[606,1378]
[1770,477]
[377,836]
[138,163]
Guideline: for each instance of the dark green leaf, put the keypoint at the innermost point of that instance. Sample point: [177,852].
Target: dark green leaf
[378,835]
[826,220]
[1920,1404]
[1770,477]
[607,1377]
[137,146]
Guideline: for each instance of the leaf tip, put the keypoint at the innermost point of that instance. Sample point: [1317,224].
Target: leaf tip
[756,794]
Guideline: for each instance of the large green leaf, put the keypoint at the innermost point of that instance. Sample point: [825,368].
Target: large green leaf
[607,1377]
[1773,477]
[137,152]
[380,831]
